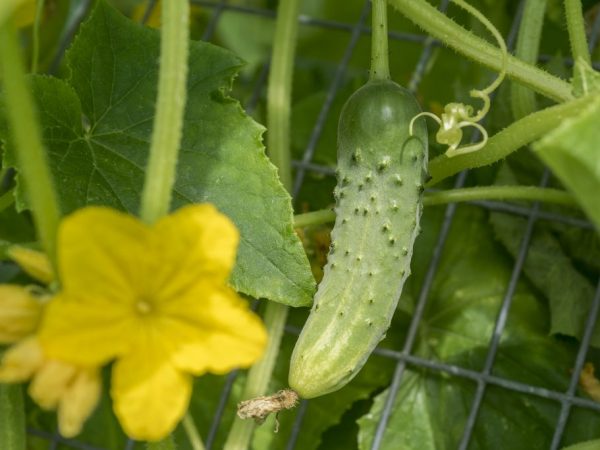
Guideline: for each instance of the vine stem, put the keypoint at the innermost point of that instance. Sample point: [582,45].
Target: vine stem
[528,193]
[576,28]
[525,193]
[279,94]
[192,432]
[527,48]
[450,33]
[170,108]
[508,140]
[35,52]
[12,418]
[165,444]
[259,375]
[380,67]
[25,130]
[279,91]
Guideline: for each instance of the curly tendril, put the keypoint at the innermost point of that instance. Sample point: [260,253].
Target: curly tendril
[457,116]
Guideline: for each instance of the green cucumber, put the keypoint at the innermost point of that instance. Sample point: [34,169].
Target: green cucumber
[381,172]
[379,199]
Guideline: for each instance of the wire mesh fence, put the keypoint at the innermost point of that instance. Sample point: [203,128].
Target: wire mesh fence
[404,358]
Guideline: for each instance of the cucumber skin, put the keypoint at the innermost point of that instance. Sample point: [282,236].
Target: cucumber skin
[381,173]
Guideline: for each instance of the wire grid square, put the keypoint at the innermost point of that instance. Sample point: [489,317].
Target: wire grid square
[482,379]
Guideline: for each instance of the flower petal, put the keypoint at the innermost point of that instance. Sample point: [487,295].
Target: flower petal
[150,395]
[78,402]
[19,313]
[51,382]
[35,264]
[21,361]
[216,332]
[196,241]
[86,331]
[104,252]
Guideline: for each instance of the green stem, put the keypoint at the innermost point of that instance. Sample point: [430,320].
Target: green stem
[34,171]
[524,193]
[510,139]
[35,53]
[192,432]
[380,68]
[259,376]
[528,44]
[12,417]
[314,218]
[450,33]
[279,91]
[576,27]
[170,108]
[278,114]
[7,199]
[165,444]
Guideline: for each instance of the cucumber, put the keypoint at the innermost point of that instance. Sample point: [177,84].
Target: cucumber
[381,172]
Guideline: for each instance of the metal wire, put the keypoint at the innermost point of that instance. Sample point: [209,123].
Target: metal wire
[404,357]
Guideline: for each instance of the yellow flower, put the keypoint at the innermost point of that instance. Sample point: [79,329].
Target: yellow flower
[34,263]
[73,391]
[155,299]
[20,313]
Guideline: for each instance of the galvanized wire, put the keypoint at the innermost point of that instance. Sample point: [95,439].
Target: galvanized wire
[404,358]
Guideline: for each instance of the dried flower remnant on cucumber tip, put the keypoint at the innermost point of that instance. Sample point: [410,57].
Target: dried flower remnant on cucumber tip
[457,116]
[259,408]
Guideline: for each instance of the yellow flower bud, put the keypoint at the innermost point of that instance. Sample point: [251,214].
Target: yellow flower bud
[51,382]
[21,361]
[19,313]
[34,263]
[78,402]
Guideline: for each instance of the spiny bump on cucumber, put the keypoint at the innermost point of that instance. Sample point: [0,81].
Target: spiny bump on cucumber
[380,223]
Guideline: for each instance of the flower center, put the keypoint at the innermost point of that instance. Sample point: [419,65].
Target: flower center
[144,307]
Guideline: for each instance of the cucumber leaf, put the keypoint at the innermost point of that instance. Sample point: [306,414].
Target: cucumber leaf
[589,445]
[431,408]
[569,293]
[549,268]
[573,154]
[97,127]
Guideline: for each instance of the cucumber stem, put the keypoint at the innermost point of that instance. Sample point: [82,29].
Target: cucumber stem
[12,417]
[170,108]
[576,28]
[278,143]
[27,136]
[35,38]
[165,444]
[279,90]
[259,376]
[380,68]
[192,432]
[527,193]
[435,23]
[523,100]
[523,193]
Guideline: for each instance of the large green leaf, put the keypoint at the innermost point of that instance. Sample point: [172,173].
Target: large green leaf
[97,128]
[548,265]
[431,408]
[569,293]
[573,154]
